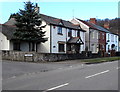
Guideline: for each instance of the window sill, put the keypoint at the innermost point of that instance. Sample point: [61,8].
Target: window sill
[62,51]
[60,34]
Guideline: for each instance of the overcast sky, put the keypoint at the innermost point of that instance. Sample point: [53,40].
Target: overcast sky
[65,10]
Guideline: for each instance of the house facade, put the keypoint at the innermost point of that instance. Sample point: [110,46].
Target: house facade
[62,37]
[91,35]
[95,35]
[7,41]
[112,41]
[102,41]
[119,44]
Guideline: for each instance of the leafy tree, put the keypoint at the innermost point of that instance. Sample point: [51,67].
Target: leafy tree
[114,24]
[28,23]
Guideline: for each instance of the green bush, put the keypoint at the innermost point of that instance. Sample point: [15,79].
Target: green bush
[99,60]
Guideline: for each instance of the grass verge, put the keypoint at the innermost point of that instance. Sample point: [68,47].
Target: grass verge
[100,60]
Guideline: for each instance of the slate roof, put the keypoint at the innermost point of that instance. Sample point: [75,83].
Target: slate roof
[75,40]
[10,22]
[7,30]
[9,27]
[56,21]
[94,26]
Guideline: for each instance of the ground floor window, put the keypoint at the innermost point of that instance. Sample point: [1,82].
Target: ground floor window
[61,47]
[16,46]
[108,47]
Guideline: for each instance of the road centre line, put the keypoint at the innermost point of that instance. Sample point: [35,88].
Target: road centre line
[97,74]
[56,87]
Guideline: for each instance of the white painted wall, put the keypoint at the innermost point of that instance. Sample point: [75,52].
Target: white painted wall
[55,38]
[94,40]
[45,47]
[113,39]
[8,44]
[119,46]
[4,43]
[82,35]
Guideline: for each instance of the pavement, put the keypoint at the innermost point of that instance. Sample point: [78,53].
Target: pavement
[68,75]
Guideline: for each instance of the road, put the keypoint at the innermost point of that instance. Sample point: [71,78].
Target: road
[60,76]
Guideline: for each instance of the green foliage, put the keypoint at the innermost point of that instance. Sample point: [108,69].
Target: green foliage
[12,16]
[100,60]
[28,23]
[114,24]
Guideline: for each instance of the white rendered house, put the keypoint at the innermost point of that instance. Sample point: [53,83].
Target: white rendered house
[62,37]
[112,42]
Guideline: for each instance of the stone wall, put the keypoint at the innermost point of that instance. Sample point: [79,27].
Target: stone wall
[39,57]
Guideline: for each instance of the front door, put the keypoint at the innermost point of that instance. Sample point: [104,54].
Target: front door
[77,48]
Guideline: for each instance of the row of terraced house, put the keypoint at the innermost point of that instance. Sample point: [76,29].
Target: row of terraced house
[63,36]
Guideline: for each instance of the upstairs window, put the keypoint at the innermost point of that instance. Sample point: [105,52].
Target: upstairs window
[69,33]
[93,34]
[112,38]
[103,36]
[116,38]
[99,36]
[78,33]
[59,30]
[108,37]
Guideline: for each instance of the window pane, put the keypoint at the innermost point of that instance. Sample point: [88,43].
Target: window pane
[69,33]
[16,46]
[78,33]
[59,30]
[61,47]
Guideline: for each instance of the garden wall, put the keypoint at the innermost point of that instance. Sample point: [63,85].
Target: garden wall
[39,57]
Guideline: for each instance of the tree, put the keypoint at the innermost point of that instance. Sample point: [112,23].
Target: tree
[28,23]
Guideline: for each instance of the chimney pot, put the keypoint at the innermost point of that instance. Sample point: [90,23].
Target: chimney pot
[93,20]
[106,25]
[37,8]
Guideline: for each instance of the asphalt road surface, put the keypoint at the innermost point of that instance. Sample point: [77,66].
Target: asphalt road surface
[71,75]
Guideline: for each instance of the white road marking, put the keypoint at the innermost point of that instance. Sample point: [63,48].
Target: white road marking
[82,64]
[60,68]
[118,68]
[97,74]
[13,77]
[56,87]
[71,66]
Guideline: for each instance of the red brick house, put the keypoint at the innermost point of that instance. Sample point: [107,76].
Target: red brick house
[102,41]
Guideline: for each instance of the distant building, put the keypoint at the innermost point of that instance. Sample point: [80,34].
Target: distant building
[94,33]
[112,40]
[119,44]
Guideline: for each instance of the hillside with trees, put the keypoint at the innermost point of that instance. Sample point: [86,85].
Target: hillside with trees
[114,24]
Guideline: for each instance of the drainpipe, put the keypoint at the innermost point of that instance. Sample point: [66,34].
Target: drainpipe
[66,40]
[89,38]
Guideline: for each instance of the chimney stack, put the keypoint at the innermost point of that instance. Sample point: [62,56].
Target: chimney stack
[106,25]
[37,8]
[93,20]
